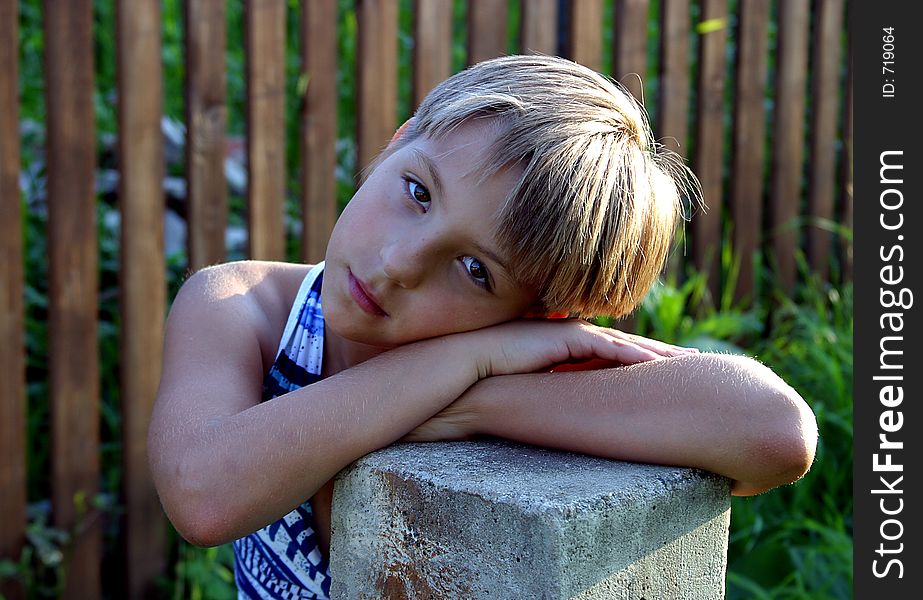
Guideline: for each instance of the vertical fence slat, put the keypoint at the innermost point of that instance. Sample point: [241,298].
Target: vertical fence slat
[206,118]
[709,133]
[432,48]
[12,352]
[746,201]
[586,35]
[672,127]
[846,168]
[73,278]
[376,90]
[788,136]
[486,29]
[629,48]
[673,99]
[265,57]
[318,126]
[143,284]
[538,29]
[824,87]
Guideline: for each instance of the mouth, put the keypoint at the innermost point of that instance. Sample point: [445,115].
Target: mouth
[363,298]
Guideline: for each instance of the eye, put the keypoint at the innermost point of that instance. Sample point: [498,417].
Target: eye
[417,192]
[477,271]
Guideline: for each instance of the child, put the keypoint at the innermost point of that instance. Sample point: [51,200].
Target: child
[525,185]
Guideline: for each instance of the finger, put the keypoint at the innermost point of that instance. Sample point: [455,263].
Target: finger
[597,342]
[586,365]
[659,346]
[628,352]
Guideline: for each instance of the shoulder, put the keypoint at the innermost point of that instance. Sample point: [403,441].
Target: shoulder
[251,293]
[270,284]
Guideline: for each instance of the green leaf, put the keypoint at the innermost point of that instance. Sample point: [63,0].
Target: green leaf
[710,26]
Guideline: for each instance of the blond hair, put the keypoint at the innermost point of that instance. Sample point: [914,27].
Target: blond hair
[590,221]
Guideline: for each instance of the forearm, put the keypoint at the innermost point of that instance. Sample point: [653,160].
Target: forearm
[223,476]
[724,414]
[225,465]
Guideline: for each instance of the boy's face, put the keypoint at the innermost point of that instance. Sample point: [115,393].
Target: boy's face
[414,256]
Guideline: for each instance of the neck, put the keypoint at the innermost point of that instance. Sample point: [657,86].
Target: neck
[341,353]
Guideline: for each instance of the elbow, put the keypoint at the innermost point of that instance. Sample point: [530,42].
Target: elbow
[203,532]
[190,499]
[198,522]
[783,444]
[797,429]
[783,451]
[804,438]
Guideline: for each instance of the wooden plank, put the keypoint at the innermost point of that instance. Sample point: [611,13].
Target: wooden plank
[709,133]
[538,28]
[432,48]
[12,328]
[629,48]
[265,57]
[673,98]
[486,29]
[143,285]
[788,136]
[672,126]
[318,127]
[73,363]
[586,35]
[376,89]
[206,118]
[846,170]
[825,86]
[747,154]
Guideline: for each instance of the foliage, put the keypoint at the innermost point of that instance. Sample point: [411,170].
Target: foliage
[202,574]
[796,541]
[39,567]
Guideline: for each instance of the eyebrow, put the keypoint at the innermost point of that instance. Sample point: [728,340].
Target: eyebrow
[496,259]
[430,166]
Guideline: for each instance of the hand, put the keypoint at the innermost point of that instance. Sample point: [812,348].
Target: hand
[662,349]
[527,346]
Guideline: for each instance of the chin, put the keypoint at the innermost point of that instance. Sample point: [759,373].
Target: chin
[356,333]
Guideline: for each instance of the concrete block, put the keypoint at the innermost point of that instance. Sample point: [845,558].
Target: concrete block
[495,520]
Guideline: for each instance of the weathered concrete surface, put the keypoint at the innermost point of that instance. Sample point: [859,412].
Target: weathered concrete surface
[500,520]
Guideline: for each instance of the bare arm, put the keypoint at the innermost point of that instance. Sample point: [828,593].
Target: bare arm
[225,465]
[722,413]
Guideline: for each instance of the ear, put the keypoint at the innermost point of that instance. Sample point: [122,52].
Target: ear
[400,131]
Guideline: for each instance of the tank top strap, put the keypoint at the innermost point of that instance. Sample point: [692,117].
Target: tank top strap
[299,358]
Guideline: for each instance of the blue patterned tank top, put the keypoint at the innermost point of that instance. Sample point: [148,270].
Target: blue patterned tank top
[284,560]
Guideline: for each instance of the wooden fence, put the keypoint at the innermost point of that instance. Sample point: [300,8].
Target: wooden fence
[765,83]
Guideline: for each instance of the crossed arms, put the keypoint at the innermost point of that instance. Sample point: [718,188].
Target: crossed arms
[225,465]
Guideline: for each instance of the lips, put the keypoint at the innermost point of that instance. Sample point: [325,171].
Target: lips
[363,298]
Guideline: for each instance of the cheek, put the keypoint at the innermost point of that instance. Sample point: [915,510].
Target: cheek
[453,313]
[357,222]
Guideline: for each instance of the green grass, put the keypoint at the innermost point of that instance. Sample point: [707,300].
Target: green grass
[794,541]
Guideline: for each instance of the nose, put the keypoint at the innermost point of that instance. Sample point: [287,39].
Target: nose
[405,260]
